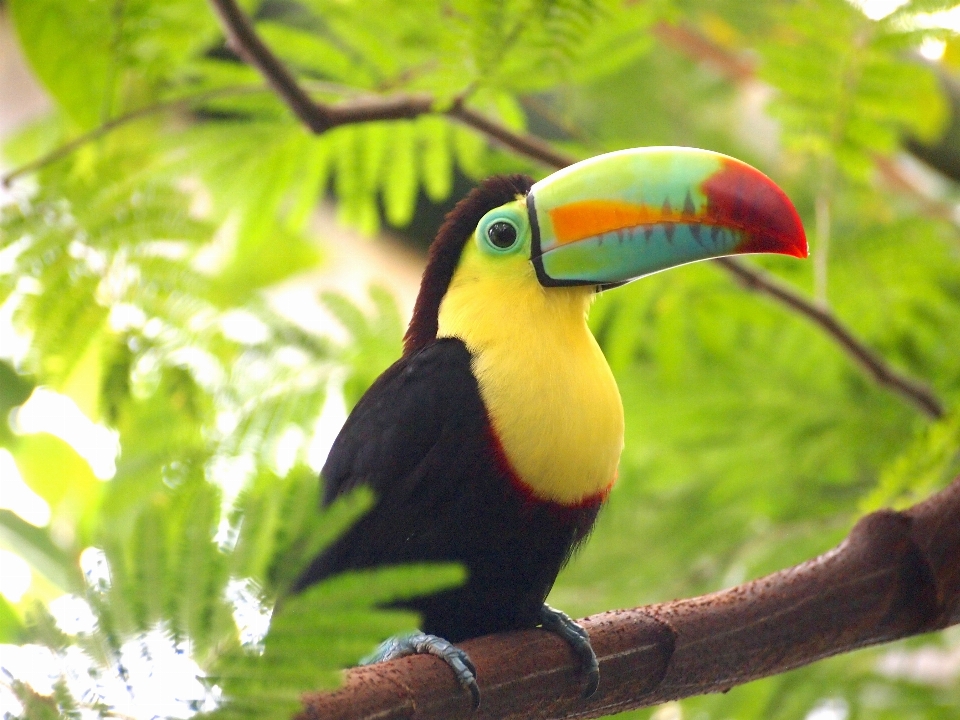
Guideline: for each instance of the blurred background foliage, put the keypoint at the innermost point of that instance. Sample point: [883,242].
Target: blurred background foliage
[135,268]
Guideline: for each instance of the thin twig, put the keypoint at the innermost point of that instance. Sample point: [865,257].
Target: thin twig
[523,143]
[320,117]
[732,66]
[910,389]
[899,181]
[155,109]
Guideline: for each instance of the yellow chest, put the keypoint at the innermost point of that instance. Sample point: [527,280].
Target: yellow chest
[548,390]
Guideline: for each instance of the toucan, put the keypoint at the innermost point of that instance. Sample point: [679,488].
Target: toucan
[494,440]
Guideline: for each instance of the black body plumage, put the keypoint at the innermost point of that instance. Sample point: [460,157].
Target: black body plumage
[420,438]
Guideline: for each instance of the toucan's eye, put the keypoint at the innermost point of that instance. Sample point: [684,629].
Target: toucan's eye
[502,234]
[504,231]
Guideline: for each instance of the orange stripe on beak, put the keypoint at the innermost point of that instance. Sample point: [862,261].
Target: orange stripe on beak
[588,218]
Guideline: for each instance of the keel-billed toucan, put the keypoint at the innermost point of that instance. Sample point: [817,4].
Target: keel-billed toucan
[494,440]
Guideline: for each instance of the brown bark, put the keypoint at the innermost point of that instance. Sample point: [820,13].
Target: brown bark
[897,574]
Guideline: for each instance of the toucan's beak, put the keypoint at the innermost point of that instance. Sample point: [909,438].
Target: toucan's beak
[619,216]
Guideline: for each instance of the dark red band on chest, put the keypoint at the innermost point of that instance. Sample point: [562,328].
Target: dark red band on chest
[528,496]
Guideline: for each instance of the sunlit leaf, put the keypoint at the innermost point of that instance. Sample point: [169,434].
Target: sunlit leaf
[36,546]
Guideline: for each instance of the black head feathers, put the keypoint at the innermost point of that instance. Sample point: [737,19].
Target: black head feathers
[445,251]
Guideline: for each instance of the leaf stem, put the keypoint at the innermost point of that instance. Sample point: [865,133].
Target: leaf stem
[67,148]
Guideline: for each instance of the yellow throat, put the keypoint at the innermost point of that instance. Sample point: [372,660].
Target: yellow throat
[547,388]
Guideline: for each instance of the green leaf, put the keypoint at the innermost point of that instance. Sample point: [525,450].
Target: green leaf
[313,52]
[198,570]
[14,390]
[12,630]
[315,634]
[66,318]
[68,47]
[400,191]
[469,147]
[36,546]
[925,466]
[377,339]
[846,89]
[312,184]
[58,474]
[436,157]
[281,527]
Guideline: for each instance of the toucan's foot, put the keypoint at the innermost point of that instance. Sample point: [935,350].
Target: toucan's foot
[561,624]
[422,644]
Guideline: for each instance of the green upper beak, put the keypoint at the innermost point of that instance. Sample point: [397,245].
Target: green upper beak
[619,216]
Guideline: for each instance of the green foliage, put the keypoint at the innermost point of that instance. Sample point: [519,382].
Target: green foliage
[306,647]
[11,629]
[375,342]
[752,440]
[845,91]
[14,391]
[36,546]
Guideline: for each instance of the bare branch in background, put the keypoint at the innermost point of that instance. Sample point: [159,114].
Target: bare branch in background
[320,117]
[897,574]
[734,67]
[872,362]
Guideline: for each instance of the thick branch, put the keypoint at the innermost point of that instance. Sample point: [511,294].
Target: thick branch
[897,574]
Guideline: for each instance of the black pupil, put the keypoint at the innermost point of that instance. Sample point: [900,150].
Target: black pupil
[502,234]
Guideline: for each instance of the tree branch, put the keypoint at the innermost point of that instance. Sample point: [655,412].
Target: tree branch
[64,150]
[734,67]
[320,117]
[243,39]
[522,143]
[897,574]
[872,362]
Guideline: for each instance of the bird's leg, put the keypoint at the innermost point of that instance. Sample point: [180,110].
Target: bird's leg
[561,624]
[419,643]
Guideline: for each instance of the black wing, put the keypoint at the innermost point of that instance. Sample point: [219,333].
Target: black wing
[419,439]
[401,418]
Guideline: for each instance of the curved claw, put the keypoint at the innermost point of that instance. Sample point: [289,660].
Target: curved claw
[560,623]
[420,643]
